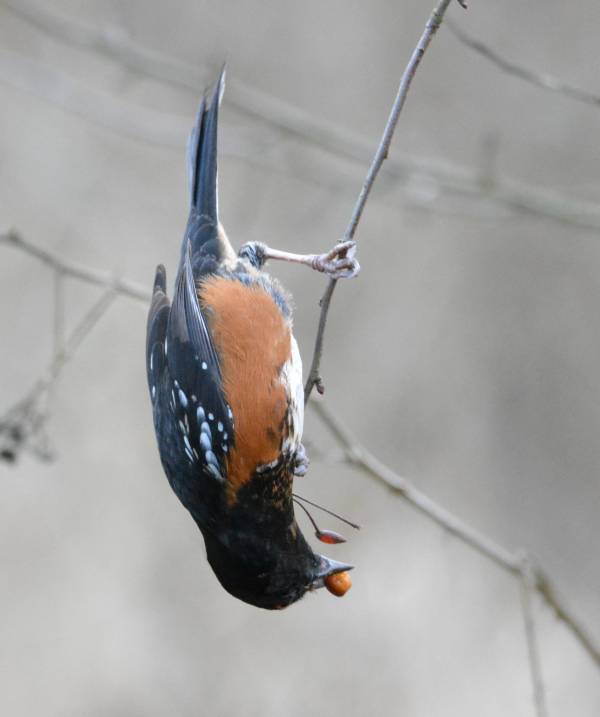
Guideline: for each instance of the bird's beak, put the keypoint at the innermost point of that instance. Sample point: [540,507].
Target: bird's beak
[326,568]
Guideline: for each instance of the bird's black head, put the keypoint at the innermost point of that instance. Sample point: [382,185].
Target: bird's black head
[271,572]
[259,554]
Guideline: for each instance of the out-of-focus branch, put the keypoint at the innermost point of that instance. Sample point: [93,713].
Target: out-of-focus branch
[539,79]
[91,276]
[545,588]
[432,26]
[115,44]
[23,426]
[80,332]
[527,586]
[357,455]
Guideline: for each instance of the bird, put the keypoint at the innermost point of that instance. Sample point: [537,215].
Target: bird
[225,380]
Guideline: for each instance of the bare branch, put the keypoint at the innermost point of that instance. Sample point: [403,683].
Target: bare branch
[545,588]
[91,276]
[23,426]
[79,333]
[511,562]
[527,585]
[58,322]
[432,26]
[539,79]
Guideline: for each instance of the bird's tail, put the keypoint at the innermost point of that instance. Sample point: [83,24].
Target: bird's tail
[202,153]
[202,174]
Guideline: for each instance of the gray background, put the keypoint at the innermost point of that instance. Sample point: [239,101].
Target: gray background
[465,356]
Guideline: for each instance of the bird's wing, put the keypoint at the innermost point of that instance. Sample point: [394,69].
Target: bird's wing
[156,331]
[197,401]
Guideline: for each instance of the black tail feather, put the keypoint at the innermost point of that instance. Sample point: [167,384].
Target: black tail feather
[202,155]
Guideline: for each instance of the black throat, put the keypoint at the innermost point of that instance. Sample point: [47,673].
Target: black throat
[258,552]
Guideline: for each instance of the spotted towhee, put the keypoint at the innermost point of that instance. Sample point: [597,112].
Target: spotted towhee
[225,379]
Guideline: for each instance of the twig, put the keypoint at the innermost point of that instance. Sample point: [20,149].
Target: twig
[58,322]
[434,22]
[91,276]
[79,333]
[512,563]
[539,79]
[25,422]
[526,586]
[114,43]
[545,588]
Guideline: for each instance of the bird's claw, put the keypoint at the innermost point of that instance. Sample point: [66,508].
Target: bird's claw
[340,262]
[301,462]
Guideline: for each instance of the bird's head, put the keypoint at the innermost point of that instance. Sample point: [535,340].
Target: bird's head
[260,556]
[271,572]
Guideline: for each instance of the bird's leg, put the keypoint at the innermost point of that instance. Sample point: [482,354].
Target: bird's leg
[339,263]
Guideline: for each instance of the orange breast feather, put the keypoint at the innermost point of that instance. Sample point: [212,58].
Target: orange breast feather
[253,340]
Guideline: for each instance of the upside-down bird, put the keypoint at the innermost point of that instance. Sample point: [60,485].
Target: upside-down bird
[225,380]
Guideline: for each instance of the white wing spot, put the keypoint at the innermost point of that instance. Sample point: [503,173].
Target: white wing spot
[211,417]
[211,458]
[215,471]
[204,365]
[205,442]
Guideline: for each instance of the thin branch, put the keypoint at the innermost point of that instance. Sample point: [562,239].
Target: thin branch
[58,319]
[545,588]
[539,79]
[527,586]
[432,26]
[13,239]
[159,128]
[23,425]
[77,336]
[511,562]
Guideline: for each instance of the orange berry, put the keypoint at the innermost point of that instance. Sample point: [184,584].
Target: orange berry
[338,584]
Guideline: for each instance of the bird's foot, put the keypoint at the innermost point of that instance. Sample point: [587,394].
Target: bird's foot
[340,262]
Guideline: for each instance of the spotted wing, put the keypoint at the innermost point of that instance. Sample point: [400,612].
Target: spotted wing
[196,397]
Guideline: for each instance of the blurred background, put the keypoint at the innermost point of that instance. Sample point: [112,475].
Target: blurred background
[465,355]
